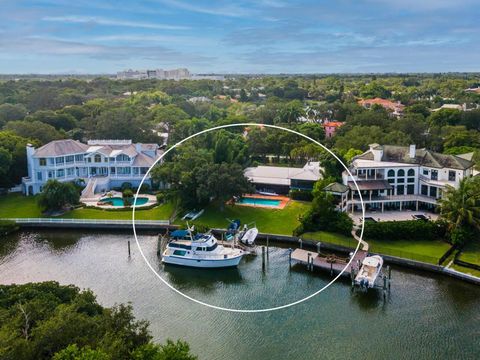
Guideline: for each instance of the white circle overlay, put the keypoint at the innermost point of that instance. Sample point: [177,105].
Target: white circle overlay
[246,310]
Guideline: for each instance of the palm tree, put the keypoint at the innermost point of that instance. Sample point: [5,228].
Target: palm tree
[461,207]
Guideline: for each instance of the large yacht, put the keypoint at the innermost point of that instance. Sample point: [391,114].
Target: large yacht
[201,251]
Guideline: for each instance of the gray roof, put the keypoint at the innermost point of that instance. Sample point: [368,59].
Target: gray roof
[336,187]
[422,157]
[370,185]
[61,147]
[278,175]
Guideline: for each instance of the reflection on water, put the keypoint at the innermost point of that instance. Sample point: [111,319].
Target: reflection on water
[207,280]
[425,316]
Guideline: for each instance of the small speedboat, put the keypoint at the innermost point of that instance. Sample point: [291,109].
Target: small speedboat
[200,251]
[369,271]
[249,236]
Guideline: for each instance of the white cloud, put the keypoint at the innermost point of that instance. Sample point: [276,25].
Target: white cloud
[111,22]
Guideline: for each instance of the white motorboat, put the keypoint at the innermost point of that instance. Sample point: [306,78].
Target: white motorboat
[200,251]
[369,271]
[249,236]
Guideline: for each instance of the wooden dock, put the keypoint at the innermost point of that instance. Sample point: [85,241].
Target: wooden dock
[331,263]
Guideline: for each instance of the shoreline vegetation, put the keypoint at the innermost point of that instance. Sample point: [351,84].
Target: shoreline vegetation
[271,221]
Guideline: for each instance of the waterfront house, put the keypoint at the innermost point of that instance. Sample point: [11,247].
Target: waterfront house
[101,164]
[399,177]
[281,180]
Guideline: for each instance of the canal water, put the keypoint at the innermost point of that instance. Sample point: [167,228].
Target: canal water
[425,316]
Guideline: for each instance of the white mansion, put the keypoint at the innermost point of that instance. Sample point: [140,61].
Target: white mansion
[102,164]
[397,177]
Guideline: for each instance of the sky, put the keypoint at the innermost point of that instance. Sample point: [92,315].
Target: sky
[247,36]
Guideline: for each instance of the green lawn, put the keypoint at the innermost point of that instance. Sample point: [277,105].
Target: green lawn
[426,251]
[471,253]
[19,206]
[273,221]
[466,270]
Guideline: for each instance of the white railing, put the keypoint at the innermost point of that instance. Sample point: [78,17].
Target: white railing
[86,221]
[366,198]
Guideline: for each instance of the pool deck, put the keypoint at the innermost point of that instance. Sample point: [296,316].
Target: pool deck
[95,200]
[283,201]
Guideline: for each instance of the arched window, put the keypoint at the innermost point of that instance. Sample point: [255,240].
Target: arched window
[411,172]
[401,172]
[98,158]
[391,173]
[123,157]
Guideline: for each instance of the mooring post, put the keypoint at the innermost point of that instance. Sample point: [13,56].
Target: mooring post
[308,261]
[311,264]
[352,276]
[331,269]
[128,248]
[159,245]
[300,242]
[319,244]
[267,245]
[384,286]
[290,257]
[389,269]
[263,257]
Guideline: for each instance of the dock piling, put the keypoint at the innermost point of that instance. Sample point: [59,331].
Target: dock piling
[129,248]
[300,242]
[290,257]
[263,257]
[331,269]
[319,244]
[308,260]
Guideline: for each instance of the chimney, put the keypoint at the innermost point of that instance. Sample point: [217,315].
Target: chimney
[412,151]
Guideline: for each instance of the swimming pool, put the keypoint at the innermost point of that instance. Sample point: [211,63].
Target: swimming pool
[259,202]
[118,201]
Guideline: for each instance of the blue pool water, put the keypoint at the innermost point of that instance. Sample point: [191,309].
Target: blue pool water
[118,201]
[262,202]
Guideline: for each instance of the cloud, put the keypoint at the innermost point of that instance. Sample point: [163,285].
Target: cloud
[230,10]
[45,46]
[111,22]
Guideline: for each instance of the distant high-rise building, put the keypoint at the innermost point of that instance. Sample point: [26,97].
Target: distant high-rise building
[175,74]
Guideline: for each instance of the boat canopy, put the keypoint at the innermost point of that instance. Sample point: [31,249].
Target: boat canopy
[179,234]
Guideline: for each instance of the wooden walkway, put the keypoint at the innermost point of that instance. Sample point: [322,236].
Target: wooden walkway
[331,263]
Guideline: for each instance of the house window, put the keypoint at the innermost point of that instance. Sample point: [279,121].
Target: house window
[98,158]
[391,173]
[411,180]
[59,160]
[51,174]
[43,162]
[410,189]
[400,180]
[39,176]
[434,175]
[401,172]
[391,181]
[69,159]
[135,171]
[400,190]
[425,190]
[143,170]
[51,161]
[123,157]
[433,191]
[425,172]
[112,170]
[79,158]
[70,172]
[60,172]
[411,172]
[452,175]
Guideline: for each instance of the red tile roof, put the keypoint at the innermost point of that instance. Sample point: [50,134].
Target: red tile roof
[382,102]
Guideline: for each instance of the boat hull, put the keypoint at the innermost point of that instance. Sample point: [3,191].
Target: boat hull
[202,263]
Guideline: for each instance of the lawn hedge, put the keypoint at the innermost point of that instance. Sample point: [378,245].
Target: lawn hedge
[401,230]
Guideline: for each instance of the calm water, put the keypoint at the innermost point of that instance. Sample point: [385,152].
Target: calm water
[425,316]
